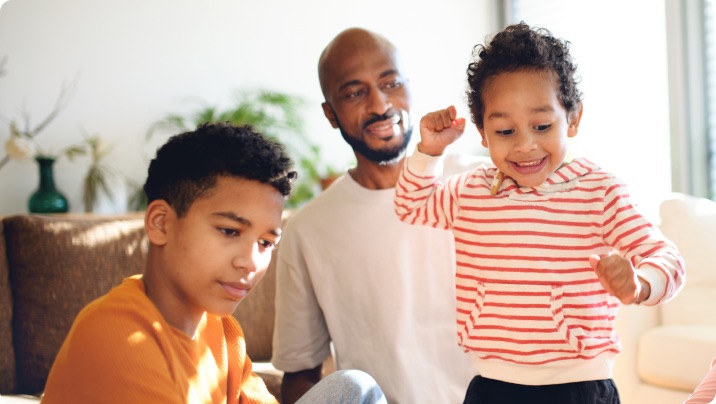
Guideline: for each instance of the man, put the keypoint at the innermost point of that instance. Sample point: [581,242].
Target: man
[348,271]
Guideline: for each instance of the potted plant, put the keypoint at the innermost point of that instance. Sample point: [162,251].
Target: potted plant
[272,113]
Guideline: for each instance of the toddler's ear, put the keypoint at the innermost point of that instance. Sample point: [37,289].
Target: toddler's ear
[482,134]
[155,221]
[574,118]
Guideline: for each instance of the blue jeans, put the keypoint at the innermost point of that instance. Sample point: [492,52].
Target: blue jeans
[345,387]
[489,391]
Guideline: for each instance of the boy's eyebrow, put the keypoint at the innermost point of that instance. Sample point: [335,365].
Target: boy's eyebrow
[244,221]
[384,74]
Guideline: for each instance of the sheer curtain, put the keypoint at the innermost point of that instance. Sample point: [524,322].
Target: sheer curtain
[710,56]
[620,49]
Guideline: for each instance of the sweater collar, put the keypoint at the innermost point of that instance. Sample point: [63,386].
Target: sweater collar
[566,177]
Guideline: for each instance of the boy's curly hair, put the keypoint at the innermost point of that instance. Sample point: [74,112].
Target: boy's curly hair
[519,47]
[188,165]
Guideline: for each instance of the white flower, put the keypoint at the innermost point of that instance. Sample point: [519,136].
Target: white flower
[19,148]
[101,147]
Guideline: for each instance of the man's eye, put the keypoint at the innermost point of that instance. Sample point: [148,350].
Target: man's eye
[505,132]
[354,94]
[393,84]
[542,128]
[229,232]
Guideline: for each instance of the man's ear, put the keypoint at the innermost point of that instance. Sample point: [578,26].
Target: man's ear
[156,218]
[574,118]
[482,134]
[330,114]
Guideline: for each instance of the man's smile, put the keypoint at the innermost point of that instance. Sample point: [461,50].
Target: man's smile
[383,128]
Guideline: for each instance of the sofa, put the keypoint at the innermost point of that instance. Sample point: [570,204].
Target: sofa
[53,265]
[668,349]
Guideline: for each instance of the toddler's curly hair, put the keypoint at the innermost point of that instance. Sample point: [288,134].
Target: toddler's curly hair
[519,47]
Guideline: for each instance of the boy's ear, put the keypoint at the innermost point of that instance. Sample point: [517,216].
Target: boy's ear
[330,114]
[482,134]
[156,218]
[574,118]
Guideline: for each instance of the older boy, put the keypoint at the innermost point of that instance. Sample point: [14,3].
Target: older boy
[215,201]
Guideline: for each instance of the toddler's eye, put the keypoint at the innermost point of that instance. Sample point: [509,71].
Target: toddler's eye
[543,128]
[505,132]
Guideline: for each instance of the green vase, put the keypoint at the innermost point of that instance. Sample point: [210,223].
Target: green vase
[47,199]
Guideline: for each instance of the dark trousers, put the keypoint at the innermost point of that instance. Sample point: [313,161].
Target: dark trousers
[489,391]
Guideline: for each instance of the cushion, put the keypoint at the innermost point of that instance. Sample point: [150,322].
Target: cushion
[19,399]
[256,313]
[58,265]
[676,356]
[7,352]
[690,222]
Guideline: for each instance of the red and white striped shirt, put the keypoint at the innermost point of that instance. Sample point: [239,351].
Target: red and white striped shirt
[526,294]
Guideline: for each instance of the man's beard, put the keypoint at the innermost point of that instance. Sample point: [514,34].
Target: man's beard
[383,157]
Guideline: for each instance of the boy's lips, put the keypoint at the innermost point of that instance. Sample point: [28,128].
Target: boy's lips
[235,290]
[529,167]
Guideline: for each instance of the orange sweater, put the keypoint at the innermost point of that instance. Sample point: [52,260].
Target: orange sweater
[121,350]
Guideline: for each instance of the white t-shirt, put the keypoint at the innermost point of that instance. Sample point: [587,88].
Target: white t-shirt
[349,272]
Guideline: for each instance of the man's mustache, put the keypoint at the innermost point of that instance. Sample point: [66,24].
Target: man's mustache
[378,118]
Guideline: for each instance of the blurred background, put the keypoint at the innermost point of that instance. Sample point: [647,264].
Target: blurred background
[112,70]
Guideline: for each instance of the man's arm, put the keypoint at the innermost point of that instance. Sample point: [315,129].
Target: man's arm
[296,384]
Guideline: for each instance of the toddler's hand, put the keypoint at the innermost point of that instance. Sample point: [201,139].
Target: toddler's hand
[439,129]
[619,277]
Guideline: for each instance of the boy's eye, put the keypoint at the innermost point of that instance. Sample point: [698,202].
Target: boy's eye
[505,132]
[229,232]
[543,128]
[267,244]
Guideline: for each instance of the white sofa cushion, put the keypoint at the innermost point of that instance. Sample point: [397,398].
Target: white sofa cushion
[676,356]
[690,222]
[19,399]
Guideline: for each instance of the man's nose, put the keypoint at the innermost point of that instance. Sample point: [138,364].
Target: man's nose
[378,102]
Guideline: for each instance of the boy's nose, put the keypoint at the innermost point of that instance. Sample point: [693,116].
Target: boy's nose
[524,141]
[248,257]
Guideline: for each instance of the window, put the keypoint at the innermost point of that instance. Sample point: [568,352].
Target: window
[688,36]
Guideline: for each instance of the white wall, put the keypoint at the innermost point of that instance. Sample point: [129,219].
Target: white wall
[136,60]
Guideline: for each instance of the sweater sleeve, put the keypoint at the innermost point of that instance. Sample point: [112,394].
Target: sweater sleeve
[421,197]
[706,390]
[656,259]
